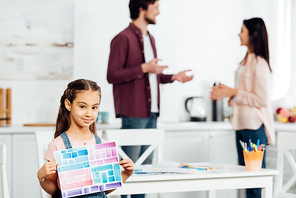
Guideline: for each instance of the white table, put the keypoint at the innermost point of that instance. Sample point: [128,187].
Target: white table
[226,177]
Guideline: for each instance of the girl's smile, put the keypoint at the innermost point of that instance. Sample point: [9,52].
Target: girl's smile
[84,108]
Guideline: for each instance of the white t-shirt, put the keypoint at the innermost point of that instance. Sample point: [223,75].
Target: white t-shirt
[149,56]
[237,77]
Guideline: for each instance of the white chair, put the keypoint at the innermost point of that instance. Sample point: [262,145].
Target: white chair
[285,141]
[43,138]
[133,137]
[3,172]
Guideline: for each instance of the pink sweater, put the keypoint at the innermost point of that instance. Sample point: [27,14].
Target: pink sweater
[253,106]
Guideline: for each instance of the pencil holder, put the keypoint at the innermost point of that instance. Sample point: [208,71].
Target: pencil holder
[253,160]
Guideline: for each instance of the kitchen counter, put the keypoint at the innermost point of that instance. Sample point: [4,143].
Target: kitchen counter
[168,126]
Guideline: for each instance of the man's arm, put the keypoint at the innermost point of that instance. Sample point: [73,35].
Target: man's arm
[116,72]
[181,77]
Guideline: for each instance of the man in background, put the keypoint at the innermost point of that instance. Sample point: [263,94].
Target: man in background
[135,74]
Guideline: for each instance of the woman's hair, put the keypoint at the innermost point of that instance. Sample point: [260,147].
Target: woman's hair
[135,5]
[258,38]
[64,120]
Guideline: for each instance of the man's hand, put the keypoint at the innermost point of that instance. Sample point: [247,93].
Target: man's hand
[181,76]
[153,67]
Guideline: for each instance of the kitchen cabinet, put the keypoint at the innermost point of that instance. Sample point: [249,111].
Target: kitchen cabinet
[183,146]
[6,139]
[222,148]
[25,166]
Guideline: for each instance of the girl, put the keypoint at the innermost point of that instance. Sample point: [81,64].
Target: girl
[75,127]
[252,113]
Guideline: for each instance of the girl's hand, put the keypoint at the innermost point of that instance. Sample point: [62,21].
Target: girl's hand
[47,169]
[218,93]
[127,165]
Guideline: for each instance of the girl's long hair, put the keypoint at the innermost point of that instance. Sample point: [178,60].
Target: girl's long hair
[258,39]
[63,120]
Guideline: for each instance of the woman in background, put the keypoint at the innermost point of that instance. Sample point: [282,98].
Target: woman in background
[252,111]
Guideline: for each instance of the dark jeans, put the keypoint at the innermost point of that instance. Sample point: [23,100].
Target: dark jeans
[134,152]
[254,135]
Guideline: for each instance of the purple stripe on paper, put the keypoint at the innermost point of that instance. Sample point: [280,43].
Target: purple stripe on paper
[102,188]
[86,190]
[105,145]
[94,188]
[64,195]
[74,192]
[113,185]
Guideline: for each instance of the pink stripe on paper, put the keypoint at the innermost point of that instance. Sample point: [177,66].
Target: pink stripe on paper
[103,155]
[88,174]
[64,181]
[113,151]
[79,178]
[76,185]
[99,162]
[92,163]
[91,152]
[74,173]
[61,176]
[97,155]
[108,152]
[111,160]
[104,145]
[72,180]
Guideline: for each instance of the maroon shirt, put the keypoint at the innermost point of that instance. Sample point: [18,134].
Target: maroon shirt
[131,88]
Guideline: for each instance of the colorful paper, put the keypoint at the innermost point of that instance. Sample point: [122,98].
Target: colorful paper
[88,169]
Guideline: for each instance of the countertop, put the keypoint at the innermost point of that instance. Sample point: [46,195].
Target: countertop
[168,126]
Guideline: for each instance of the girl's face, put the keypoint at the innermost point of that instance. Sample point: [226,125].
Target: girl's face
[244,36]
[84,109]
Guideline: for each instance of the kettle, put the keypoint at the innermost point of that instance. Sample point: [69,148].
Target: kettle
[197,109]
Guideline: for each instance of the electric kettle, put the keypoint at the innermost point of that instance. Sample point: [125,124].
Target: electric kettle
[196,109]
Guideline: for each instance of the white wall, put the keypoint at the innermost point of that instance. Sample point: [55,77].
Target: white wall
[190,34]
[197,35]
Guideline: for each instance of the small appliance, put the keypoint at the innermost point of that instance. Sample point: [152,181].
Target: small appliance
[196,109]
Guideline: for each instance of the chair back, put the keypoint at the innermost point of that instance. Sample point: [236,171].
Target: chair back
[285,141]
[43,138]
[133,137]
[4,191]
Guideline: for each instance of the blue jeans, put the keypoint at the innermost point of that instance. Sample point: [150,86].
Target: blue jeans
[244,135]
[134,152]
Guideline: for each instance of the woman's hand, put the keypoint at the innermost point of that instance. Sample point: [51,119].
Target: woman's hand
[230,102]
[222,91]
[127,165]
[46,170]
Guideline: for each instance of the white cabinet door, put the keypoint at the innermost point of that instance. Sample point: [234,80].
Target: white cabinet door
[25,166]
[222,147]
[6,139]
[185,147]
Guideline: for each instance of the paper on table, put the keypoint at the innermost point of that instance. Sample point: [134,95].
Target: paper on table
[165,168]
